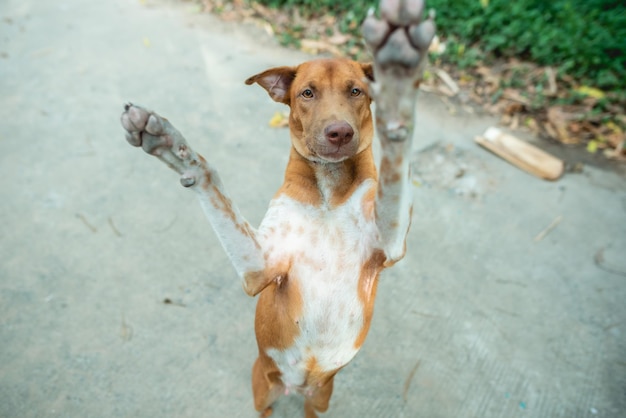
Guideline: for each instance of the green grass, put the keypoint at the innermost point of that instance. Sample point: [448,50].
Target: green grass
[585,39]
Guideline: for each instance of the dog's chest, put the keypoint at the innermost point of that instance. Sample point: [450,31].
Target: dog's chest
[323,252]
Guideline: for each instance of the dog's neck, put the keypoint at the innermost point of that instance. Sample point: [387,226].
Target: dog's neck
[326,183]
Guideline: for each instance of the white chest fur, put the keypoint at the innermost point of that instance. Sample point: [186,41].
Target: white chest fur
[325,250]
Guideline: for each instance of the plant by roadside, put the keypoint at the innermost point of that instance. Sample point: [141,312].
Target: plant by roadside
[556,68]
[560,66]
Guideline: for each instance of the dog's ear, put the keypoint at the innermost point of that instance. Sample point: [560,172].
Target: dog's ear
[368,70]
[277,81]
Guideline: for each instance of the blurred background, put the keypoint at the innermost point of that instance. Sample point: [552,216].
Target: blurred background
[556,69]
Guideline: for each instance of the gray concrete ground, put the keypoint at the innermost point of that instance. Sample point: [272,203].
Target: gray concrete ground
[479,320]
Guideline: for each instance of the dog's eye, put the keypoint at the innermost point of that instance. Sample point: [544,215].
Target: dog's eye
[355,92]
[307,94]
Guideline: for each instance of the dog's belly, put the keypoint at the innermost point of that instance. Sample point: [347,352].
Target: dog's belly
[330,323]
[324,253]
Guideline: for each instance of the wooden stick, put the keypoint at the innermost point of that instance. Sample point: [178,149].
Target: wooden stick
[522,154]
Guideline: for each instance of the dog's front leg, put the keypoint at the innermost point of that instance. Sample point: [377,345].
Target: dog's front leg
[158,137]
[399,42]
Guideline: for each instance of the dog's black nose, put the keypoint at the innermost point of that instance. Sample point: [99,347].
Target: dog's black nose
[339,133]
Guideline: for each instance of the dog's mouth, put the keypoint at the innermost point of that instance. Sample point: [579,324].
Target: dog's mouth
[333,153]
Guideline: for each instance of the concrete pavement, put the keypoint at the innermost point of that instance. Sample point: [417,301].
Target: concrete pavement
[116,300]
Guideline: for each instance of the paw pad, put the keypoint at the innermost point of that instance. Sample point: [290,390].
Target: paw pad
[154,126]
[401,37]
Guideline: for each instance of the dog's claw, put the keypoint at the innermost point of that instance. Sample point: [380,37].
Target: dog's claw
[187,181]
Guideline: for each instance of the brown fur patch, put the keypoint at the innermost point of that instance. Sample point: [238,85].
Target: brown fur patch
[277,314]
[254,282]
[222,203]
[388,173]
[358,169]
[368,283]
[300,184]
[316,376]
[266,383]
[369,204]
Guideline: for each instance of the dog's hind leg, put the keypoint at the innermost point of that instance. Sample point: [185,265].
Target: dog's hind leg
[319,400]
[266,385]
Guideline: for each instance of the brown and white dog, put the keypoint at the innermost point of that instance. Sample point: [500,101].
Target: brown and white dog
[334,224]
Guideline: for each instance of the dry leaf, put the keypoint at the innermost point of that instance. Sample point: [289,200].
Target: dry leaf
[268,29]
[466,79]
[338,39]
[436,46]
[614,127]
[279,120]
[559,121]
[590,91]
[515,122]
[552,87]
[511,108]
[445,90]
[614,139]
[450,83]
[515,95]
[313,46]
[531,123]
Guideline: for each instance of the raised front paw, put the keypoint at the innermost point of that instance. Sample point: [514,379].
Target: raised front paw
[401,38]
[158,137]
[399,42]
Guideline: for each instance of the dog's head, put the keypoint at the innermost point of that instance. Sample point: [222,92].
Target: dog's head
[330,118]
